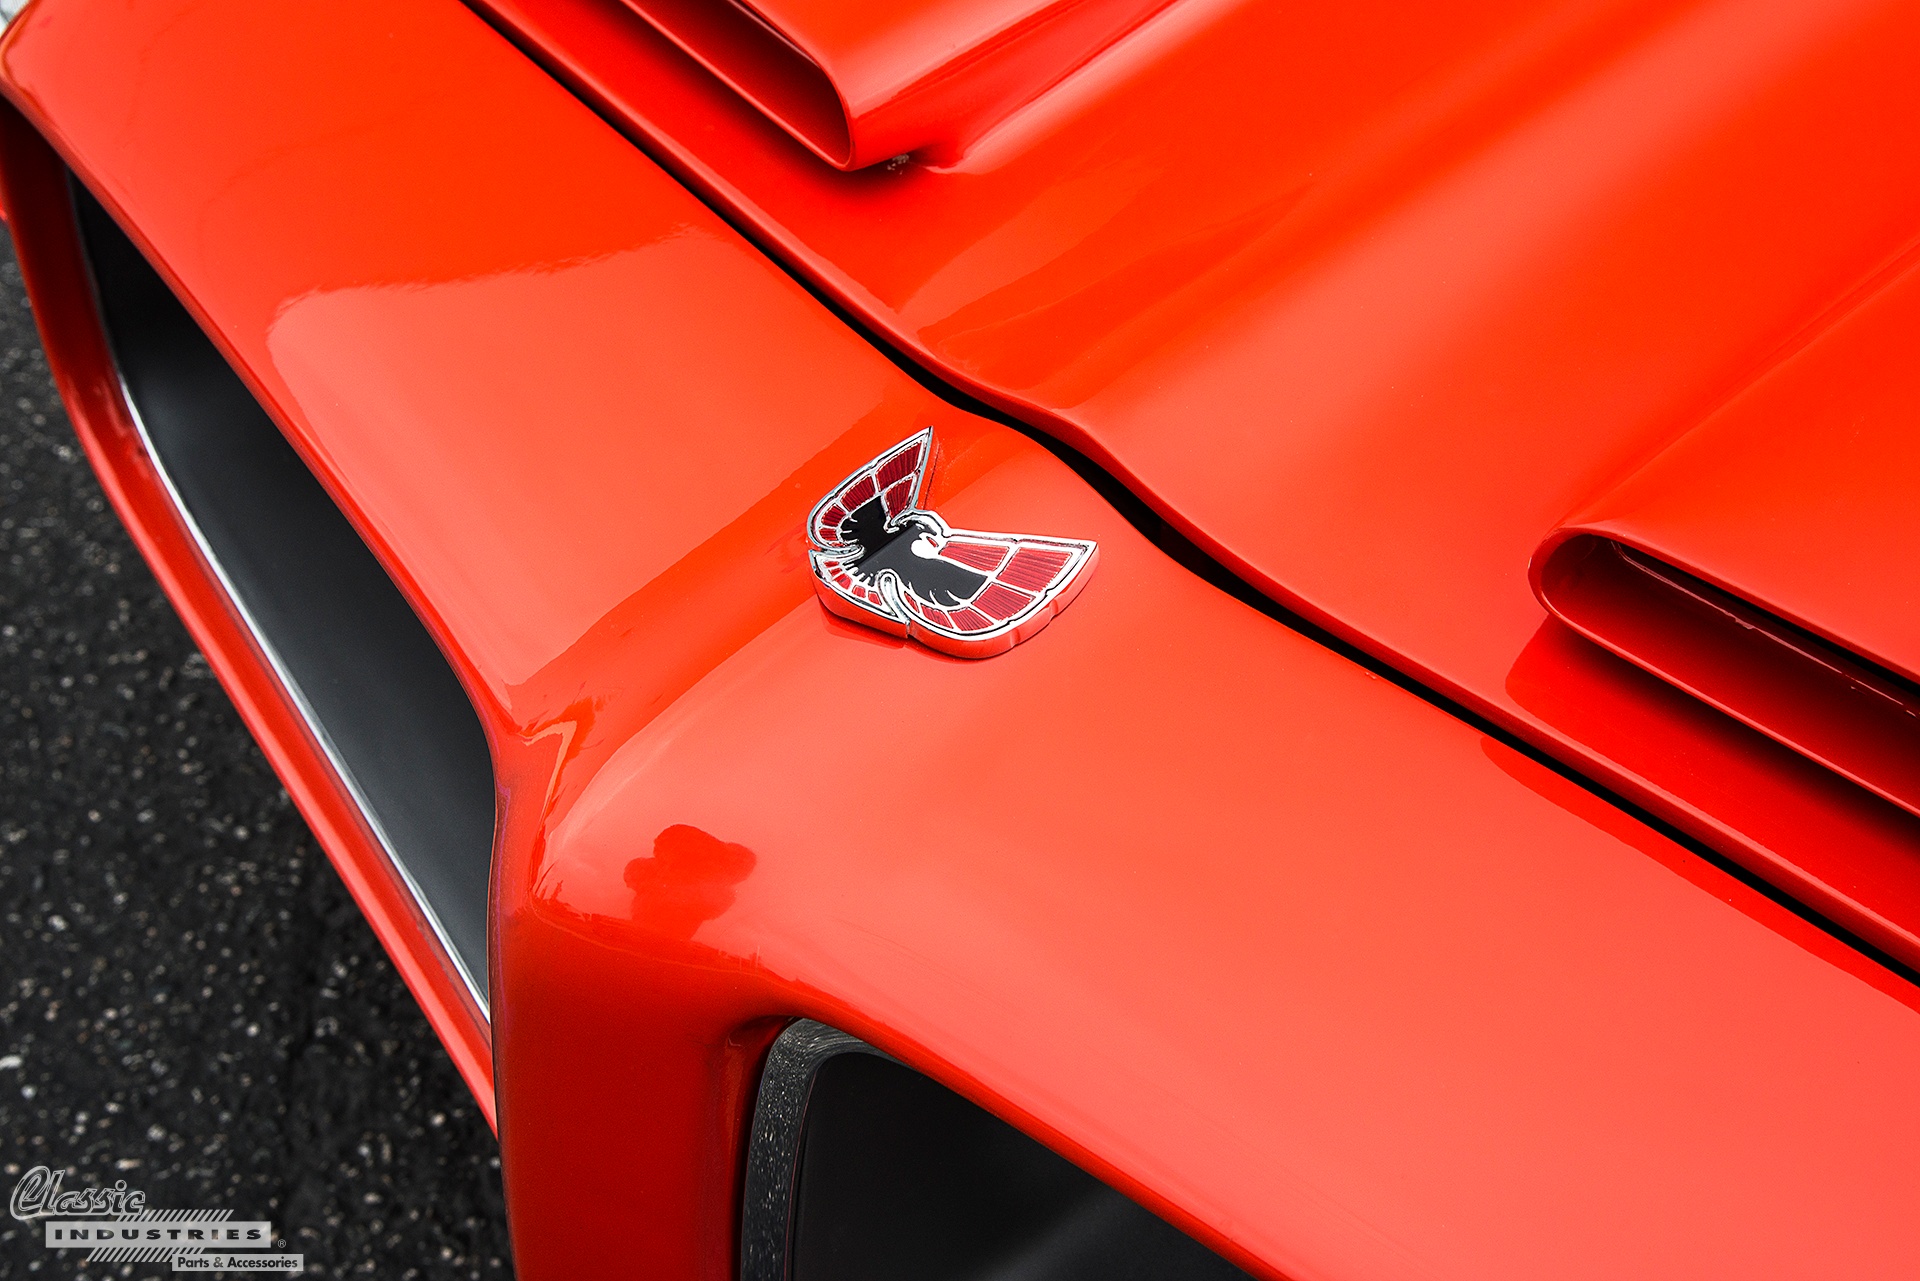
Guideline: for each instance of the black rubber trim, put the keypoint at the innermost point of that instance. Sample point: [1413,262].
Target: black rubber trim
[375,688]
[861,1169]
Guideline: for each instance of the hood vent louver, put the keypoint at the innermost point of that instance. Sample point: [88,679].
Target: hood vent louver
[862,83]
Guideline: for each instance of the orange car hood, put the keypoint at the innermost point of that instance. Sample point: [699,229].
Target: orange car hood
[1369,300]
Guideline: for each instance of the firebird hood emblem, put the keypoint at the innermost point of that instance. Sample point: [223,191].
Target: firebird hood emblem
[881,559]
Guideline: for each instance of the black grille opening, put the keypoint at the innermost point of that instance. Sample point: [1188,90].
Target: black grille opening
[893,1176]
[375,688]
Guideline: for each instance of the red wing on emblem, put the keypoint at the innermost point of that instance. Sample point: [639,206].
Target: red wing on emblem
[881,559]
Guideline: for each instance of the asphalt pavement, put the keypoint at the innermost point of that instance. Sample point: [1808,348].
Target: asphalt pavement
[189,1000]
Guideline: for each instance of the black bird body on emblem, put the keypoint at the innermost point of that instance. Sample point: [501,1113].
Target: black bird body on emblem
[910,552]
[881,559]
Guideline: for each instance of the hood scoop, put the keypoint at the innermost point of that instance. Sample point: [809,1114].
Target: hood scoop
[1768,563]
[859,83]
[1855,718]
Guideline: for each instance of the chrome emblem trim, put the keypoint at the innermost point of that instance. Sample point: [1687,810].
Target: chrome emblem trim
[881,559]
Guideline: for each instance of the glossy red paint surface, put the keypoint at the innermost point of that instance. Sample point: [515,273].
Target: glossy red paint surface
[1368,300]
[1339,984]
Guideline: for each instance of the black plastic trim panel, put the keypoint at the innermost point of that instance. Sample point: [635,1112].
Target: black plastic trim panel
[861,1169]
[374,688]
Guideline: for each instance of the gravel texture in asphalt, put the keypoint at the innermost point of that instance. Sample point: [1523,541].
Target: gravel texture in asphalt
[189,1000]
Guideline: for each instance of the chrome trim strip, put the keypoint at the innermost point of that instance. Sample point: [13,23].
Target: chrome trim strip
[295,695]
[773,1149]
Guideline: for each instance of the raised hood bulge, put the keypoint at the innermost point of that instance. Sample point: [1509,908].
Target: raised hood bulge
[1769,561]
[861,83]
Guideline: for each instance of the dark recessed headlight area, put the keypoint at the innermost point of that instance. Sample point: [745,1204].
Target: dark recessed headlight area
[862,1169]
[374,688]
